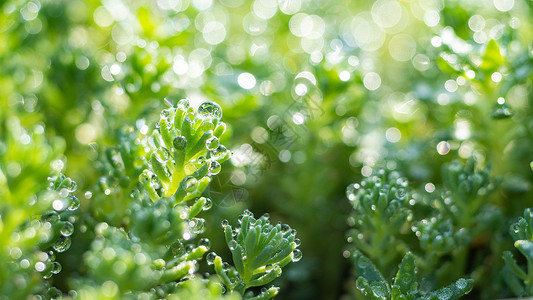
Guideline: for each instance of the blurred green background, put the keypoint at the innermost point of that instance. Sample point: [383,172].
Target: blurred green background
[316,94]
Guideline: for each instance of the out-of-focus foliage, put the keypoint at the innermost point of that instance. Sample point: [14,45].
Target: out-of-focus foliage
[316,95]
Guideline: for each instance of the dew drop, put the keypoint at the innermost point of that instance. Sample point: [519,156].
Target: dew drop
[212,143]
[224,223]
[179,142]
[351,191]
[285,228]
[189,184]
[209,110]
[363,262]
[51,217]
[72,186]
[62,244]
[210,258]
[67,229]
[207,126]
[183,104]
[378,289]
[445,293]
[74,203]
[269,268]
[204,242]
[214,168]
[400,194]
[162,154]
[296,255]
[197,225]
[220,152]
[56,267]
[461,284]
[207,205]
[165,114]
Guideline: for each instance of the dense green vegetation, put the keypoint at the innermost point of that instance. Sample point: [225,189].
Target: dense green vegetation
[384,147]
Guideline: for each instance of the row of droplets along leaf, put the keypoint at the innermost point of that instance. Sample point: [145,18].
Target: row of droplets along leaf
[185,151]
[259,251]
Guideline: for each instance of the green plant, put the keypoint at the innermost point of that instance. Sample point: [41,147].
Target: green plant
[259,250]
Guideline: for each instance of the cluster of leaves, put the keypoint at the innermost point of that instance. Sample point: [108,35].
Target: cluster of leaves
[456,73]
[145,247]
[387,212]
[37,212]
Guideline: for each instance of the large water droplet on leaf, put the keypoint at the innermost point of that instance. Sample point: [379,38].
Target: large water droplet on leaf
[189,184]
[209,110]
[351,191]
[162,154]
[165,114]
[212,143]
[210,258]
[183,104]
[180,142]
[62,244]
[214,168]
[56,267]
[67,229]
[296,255]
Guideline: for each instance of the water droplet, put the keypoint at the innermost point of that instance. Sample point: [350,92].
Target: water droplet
[179,142]
[207,205]
[144,178]
[400,194]
[351,191]
[74,202]
[56,267]
[197,225]
[212,143]
[162,154]
[461,284]
[296,255]
[207,126]
[67,229]
[165,114]
[285,228]
[72,186]
[154,182]
[445,293]
[209,110]
[62,244]
[224,223]
[88,195]
[204,242]
[297,242]
[363,262]
[210,258]
[379,289]
[189,184]
[516,227]
[220,152]
[269,268]
[214,168]
[183,104]
[51,217]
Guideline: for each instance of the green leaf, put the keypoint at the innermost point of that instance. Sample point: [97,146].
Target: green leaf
[492,58]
